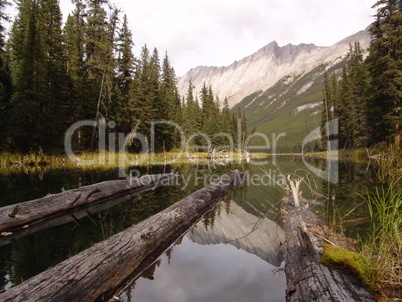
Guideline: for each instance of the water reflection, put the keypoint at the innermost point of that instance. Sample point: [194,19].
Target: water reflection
[28,256]
[346,210]
[209,273]
[230,255]
[233,225]
[239,243]
[19,187]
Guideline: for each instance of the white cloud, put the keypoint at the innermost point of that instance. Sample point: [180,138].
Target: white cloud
[213,32]
[217,32]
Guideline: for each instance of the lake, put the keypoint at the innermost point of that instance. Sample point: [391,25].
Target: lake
[234,253]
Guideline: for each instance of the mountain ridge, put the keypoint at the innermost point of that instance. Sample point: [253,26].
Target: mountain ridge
[264,68]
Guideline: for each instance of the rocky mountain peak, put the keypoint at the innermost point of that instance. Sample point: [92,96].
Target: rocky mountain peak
[265,67]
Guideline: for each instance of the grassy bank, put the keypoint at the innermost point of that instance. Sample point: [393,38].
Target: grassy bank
[384,245]
[14,162]
[356,155]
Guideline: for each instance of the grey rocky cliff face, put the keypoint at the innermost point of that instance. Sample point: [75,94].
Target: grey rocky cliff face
[267,66]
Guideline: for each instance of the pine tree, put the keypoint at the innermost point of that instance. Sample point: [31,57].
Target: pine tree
[209,114]
[96,37]
[326,110]
[345,110]
[385,65]
[143,94]
[198,120]
[207,102]
[226,125]
[153,84]
[100,46]
[96,50]
[244,130]
[125,60]
[121,109]
[158,105]
[240,126]
[18,30]
[358,75]
[191,114]
[39,76]
[335,95]
[55,100]
[349,100]
[3,18]
[330,106]
[5,78]
[226,117]
[74,37]
[170,108]
[29,116]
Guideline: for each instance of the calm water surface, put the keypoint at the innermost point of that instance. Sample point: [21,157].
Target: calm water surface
[234,253]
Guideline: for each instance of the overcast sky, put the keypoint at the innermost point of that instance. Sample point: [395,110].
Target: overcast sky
[218,32]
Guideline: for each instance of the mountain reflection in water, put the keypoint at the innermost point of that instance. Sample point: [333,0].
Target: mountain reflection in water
[229,255]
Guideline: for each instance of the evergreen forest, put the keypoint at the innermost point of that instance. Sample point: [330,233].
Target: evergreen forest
[53,75]
[366,97]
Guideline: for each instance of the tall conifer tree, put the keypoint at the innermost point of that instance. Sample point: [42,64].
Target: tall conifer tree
[385,65]
[191,113]
[50,27]
[18,30]
[29,111]
[5,77]
[170,109]
[142,93]
[121,109]
[74,37]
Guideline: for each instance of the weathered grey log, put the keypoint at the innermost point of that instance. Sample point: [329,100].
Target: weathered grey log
[96,273]
[63,218]
[23,214]
[307,279]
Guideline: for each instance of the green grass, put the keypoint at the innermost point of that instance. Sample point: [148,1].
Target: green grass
[389,164]
[31,159]
[384,245]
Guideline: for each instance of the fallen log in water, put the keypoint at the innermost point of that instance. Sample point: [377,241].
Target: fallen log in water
[307,278]
[18,216]
[96,273]
[63,218]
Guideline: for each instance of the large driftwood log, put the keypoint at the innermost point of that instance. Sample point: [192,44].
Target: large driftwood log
[63,218]
[96,273]
[307,279]
[22,215]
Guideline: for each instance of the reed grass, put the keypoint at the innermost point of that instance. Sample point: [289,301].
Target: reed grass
[388,165]
[14,162]
[37,158]
[384,244]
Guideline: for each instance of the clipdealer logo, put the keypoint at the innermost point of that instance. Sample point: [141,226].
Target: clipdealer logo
[188,146]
